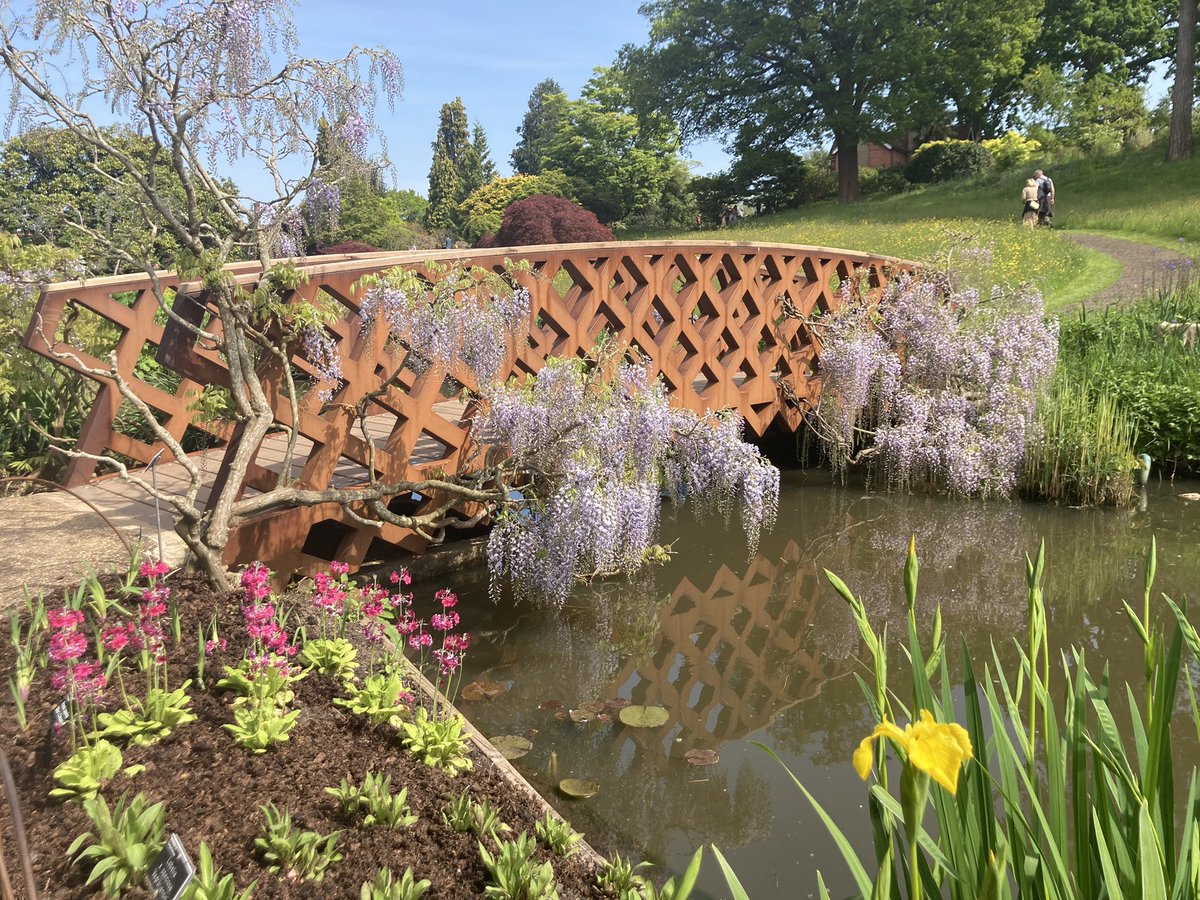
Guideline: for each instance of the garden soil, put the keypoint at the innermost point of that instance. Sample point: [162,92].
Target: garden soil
[212,789]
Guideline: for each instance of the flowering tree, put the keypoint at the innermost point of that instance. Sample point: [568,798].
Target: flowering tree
[219,80]
[936,384]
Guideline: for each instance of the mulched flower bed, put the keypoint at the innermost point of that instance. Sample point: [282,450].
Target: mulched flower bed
[212,789]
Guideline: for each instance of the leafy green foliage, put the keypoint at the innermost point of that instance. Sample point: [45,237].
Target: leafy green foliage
[259,727]
[515,874]
[619,878]
[440,743]
[52,181]
[382,698]
[86,771]
[621,161]
[1139,356]
[1084,453]
[947,160]
[123,844]
[297,855]
[536,129]
[386,887]
[209,884]
[1058,802]
[375,801]
[464,815]
[331,656]
[257,686]
[1011,149]
[150,720]
[558,835]
[380,218]
[482,211]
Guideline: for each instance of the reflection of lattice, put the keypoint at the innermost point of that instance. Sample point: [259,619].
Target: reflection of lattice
[708,317]
[731,656]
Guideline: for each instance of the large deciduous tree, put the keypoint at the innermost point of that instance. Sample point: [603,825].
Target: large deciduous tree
[621,164]
[536,129]
[789,72]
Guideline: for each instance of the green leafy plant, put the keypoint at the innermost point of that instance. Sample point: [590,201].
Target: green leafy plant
[123,844]
[437,742]
[331,656]
[558,835]
[382,698]
[515,874]
[209,884]
[1029,801]
[375,801]
[385,886]
[257,685]
[27,644]
[464,815]
[148,721]
[297,855]
[81,776]
[619,878]
[257,728]
[672,890]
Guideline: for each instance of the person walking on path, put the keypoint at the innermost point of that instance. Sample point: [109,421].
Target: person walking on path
[1029,203]
[1045,197]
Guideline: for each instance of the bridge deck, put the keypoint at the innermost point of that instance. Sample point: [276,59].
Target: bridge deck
[130,508]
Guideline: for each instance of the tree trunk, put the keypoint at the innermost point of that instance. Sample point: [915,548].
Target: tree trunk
[1185,84]
[847,157]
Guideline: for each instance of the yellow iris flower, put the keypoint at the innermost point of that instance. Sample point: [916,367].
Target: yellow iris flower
[936,748]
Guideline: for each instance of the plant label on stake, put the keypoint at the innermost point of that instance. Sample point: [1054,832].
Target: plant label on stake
[60,715]
[171,870]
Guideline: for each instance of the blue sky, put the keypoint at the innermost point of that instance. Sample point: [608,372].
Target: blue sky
[491,54]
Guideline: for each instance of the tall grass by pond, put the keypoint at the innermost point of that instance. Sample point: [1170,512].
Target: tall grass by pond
[1146,357]
[1084,454]
[1038,792]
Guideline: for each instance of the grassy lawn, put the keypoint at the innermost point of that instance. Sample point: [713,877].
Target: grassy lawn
[1135,196]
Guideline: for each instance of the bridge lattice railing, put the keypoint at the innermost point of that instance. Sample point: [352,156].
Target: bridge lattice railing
[718,322]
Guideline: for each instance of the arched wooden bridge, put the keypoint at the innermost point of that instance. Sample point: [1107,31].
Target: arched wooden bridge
[722,323]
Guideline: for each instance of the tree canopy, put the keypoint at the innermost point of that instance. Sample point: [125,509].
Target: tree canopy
[536,129]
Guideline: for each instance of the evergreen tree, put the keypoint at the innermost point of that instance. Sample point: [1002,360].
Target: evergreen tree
[536,129]
[443,188]
[483,153]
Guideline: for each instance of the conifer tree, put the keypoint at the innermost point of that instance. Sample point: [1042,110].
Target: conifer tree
[443,188]
[536,129]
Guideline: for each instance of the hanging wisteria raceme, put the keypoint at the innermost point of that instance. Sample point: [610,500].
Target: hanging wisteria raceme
[455,322]
[935,384]
[599,455]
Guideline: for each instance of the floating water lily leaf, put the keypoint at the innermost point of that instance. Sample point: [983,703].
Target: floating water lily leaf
[482,690]
[562,716]
[511,746]
[592,707]
[577,789]
[550,704]
[644,716]
[581,715]
[698,757]
[617,703]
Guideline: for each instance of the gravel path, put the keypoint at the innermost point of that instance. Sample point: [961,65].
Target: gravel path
[1144,267]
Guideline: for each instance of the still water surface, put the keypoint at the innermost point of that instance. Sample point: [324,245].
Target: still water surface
[762,649]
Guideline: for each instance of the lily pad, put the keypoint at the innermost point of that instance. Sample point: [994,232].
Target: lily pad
[644,716]
[616,704]
[581,715]
[511,746]
[577,789]
[592,707]
[698,757]
[550,704]
[482,690]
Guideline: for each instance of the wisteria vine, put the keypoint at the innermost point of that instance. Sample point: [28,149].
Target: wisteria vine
[936,384]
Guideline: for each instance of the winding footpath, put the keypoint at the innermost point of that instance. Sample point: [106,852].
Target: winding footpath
[1144,267]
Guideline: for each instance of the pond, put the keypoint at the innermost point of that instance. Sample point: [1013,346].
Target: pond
[762,649]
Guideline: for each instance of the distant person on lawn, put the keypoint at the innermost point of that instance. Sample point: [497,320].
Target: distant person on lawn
[1045,186]
[1029,201]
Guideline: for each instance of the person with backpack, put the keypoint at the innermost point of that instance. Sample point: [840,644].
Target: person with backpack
[1045,197]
